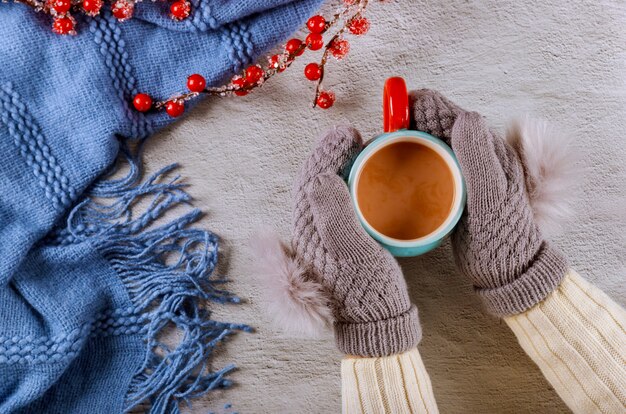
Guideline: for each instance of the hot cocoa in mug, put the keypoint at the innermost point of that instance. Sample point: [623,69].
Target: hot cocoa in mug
[406,185]
[405,190]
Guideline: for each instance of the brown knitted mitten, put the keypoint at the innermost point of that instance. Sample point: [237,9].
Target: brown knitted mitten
[369,299]
[497,243]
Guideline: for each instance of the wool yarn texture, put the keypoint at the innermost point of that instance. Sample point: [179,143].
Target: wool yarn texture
[89,278]
[373,314]
[497,244]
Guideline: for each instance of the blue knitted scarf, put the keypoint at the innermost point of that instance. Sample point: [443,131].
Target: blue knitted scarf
[90,278]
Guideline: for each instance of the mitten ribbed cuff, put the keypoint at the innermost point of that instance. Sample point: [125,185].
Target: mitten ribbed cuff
[379,338]
[540,279]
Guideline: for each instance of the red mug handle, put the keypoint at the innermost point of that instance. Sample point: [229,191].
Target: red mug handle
[395,105]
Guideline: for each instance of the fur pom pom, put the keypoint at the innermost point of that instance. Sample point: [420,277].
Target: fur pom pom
[296,304]
[551,172]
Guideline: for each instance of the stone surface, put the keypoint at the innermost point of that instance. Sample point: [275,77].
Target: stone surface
[565,61]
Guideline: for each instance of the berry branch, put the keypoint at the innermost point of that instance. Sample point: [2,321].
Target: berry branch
[338,47]
[352,20]
[63,11]
[348,19]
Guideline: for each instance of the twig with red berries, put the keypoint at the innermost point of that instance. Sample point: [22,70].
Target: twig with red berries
[349,19]
[354,22]
[338,47]
[63,11]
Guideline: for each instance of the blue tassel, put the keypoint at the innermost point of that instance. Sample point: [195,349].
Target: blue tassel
[167,270]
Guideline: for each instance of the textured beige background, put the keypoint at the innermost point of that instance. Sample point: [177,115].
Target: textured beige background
[564,60]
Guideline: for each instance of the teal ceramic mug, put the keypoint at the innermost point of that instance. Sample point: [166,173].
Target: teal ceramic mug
[396,123]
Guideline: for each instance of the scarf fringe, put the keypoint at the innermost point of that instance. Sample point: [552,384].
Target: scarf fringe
[167,272]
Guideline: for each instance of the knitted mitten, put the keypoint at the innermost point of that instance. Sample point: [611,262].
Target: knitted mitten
[368,295]
[433,113]
[497,243]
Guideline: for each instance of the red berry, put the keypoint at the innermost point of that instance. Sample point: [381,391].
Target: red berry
[339,48]
[60,6]
[316,24]
[238,82]
[293,47]
[92,7]
[276,62]
[359,26]
[123,9]
[313,71]
[314,41]
[142,102]
[196,83]
[180,10]
[254,74]
[325,99]
[175,108]
[63,25]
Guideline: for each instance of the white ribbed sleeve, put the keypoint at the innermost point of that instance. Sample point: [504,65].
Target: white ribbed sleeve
[393,384]
[576,336]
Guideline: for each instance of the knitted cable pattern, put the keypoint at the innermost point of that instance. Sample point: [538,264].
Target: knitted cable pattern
[238,43]
[108,36]
[368,296]
[201,19]
[32,147]
[333,156]
[433,113]
[497,243]
[31,349]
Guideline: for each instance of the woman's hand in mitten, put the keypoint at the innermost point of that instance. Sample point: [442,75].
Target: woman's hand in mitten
[497,243]
[372,309]
[367,292]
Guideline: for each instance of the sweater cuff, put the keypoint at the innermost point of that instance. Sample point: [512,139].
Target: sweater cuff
[542,276]
[379,338]
[393,384]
